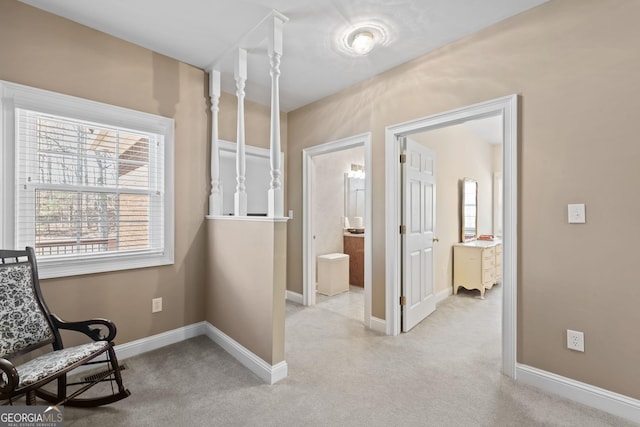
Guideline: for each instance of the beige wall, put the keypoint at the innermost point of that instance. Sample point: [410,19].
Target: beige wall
[459,154]
[247,304]
[574,63]
[41,50]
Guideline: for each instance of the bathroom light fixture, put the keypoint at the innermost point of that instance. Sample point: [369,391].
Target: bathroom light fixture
[363,42]
[357,171]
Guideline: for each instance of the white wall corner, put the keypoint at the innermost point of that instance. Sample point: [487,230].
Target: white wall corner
[378,325]
[270,374]
[595,397]
[279,371]
[294,297]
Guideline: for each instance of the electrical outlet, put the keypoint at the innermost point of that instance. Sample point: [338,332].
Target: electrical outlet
[156,305]
[575,340]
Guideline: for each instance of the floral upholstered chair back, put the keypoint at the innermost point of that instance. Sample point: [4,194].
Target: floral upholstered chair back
[23,324]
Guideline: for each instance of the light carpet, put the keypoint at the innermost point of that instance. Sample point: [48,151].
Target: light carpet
[445,372]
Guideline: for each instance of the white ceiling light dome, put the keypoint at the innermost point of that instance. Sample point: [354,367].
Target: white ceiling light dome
[362,38]
[362,42]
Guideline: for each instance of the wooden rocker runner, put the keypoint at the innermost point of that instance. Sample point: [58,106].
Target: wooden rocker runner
[26,324]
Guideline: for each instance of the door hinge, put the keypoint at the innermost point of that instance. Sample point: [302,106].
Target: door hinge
[403,158]
[403,300]
[403,229]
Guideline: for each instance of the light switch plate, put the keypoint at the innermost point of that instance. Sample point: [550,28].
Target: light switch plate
[577,214]
[156,305]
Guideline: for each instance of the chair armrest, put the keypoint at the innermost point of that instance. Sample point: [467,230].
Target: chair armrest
[9,380]
[86,327]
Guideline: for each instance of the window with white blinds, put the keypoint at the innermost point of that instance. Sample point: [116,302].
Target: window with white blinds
[90,195]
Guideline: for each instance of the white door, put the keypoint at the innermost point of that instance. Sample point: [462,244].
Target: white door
[418,218]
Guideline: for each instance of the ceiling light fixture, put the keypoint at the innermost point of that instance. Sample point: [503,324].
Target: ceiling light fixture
[363,42]
[361,39]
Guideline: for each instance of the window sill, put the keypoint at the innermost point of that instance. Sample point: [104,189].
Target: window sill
[65,267]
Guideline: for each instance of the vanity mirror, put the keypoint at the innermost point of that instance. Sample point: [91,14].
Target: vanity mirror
[354,200]
[469,210]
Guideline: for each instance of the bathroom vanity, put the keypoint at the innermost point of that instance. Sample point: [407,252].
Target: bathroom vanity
[354,247]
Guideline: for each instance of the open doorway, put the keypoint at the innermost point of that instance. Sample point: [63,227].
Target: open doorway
[316,240]
[457,243]
[506,108]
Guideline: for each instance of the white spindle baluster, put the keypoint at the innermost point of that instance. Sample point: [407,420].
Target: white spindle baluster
[240,196]
[276,197]
[215,198]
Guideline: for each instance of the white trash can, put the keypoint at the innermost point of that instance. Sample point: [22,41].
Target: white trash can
[333,273]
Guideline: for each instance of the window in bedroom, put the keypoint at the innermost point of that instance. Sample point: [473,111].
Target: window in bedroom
[91,184]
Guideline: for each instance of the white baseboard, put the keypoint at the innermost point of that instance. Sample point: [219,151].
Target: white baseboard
[294,297]
[595,397]
[154,342]
[378,325]
[268,373]
[444,294]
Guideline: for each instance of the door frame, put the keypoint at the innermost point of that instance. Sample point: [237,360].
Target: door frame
[308,255]
[507,107]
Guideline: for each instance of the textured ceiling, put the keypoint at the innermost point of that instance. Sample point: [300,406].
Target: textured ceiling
[200,32]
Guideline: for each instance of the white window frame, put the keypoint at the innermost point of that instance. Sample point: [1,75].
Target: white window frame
[14,96]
